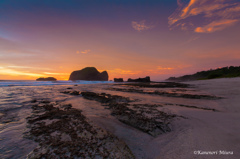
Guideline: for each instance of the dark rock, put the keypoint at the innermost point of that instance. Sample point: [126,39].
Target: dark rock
[146,79]
[144,117]
[65,92]
[105,98]
[103,76]
[75,93]
[33,101]
[45,101]
[71,92]
[89,74]
[66,106]
[46,79]
[118,79]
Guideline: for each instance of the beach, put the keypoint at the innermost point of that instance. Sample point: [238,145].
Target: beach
[197,119]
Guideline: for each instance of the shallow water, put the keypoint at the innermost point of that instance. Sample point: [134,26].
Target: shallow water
[15,106]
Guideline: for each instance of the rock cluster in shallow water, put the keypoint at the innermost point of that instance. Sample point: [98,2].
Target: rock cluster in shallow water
[64,132]
[145,117]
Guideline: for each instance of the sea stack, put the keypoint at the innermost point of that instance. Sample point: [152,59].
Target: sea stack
[89,74]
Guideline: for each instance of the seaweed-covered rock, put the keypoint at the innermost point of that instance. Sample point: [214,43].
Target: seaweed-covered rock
[89,74]
[144,117]
[64,132]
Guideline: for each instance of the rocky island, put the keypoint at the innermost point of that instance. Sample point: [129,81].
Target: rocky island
[118,80]
[46,79]
[89,74]
[146,79]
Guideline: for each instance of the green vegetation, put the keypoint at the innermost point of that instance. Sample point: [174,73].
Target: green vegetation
[225,72]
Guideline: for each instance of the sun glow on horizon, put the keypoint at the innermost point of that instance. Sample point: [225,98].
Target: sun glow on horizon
[13,73]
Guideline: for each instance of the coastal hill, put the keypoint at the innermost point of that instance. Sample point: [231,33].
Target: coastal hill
[225,72]
[89,74]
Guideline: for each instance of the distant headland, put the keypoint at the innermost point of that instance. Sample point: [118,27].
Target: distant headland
[225,72]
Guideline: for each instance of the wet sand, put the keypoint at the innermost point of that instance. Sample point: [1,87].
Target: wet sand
[195,120]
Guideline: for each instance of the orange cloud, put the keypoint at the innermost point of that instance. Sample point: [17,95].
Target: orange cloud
[52,73]
[186,9]
[123,72]
[140,26]
[84,51]
[208,10]
[164,68]
[181,12]
[216,11]
[216,26]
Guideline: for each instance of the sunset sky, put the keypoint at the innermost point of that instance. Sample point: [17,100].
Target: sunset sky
[127,38]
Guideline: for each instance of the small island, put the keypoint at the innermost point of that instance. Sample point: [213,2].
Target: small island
[46,79]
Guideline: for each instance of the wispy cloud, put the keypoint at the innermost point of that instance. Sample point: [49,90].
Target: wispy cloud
[84,51]
[28,67]
[216,26]
[13,72]
[52,73]
[205,16]
[164,68]
[141,26]
[123,72]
